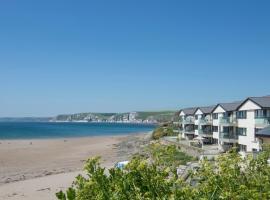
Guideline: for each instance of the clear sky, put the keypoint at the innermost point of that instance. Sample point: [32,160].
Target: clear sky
[114,56]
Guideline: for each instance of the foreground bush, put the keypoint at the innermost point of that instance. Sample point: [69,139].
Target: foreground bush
[167,155]
[230,177]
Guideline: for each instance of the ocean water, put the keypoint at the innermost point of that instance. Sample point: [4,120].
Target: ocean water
[44,130]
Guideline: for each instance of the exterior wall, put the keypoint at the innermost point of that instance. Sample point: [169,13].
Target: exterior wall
[197,121]
[216,135]
[198,112]
[182,116]
[249,105]
[249,123]
[216,122]
[182,113]
[219,109]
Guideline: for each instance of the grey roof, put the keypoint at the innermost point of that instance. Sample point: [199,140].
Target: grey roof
[230,106]
[264,101]
[189,111]
[207,109]
[264,132]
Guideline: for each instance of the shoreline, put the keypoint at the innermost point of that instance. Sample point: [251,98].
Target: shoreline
[75,137]
[30,162]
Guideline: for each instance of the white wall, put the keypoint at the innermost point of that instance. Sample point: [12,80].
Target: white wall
[249,105]
[249,124]
[219,110]
[182,113]
[197,121]
[216,135]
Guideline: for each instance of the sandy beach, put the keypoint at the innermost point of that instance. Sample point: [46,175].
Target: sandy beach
[36,169]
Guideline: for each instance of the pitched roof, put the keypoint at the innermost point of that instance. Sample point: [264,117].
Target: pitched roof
[189,111]
[206,109]
[264,101]
[264,132]
[229,106]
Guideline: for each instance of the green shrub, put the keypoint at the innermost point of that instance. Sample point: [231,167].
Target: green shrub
[228,178]
[162,132]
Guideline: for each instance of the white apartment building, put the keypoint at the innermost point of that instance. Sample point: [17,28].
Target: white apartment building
[187,123]
[253,115]
[204,123]
[225,125]
[243,124]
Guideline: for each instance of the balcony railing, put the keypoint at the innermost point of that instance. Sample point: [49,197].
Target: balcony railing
[262,121]
[190,132]
[228,120]
[206,133]
[205,121]
[188,121]
[229,137]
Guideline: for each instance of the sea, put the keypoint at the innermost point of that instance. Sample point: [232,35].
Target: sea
[47,130]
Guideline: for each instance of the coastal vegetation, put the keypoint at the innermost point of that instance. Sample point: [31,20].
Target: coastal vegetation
[228,177]
[160,116]
[166,129]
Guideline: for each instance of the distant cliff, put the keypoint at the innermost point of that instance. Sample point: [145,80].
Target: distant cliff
[132,117]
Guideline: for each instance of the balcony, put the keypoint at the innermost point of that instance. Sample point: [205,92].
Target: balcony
[189,132]
[262,122]
[228,121]
[228,137]
[188,121]
[206,133]
[205,121]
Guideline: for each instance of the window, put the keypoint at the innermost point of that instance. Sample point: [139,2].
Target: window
[241,114]
[241,131]
[228,129]
[262,113]
[196,117]
[215,141]
[215,115]
[243,147]
[215,128]
[227,114]
[196,127]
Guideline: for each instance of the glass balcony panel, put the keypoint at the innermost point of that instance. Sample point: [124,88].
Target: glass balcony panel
[228,120]
[229,137]
[262,121]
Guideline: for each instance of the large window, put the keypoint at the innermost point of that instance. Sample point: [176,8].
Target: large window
[241,114]
[196,117]
[196,127]
[215,128]
[262,113]
[215,115]
[241,131]
[228,129]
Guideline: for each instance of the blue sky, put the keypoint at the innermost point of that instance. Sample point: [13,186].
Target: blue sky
[116,56]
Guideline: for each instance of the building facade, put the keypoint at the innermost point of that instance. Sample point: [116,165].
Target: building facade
[228,125]
[187,123]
